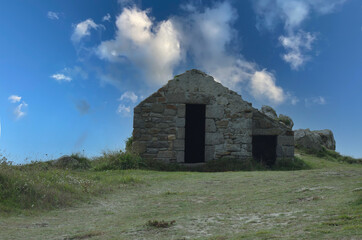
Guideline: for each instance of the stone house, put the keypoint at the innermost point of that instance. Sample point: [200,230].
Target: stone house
[194,119]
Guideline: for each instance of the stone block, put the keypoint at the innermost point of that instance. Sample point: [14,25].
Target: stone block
[138,122]
[222,123]
[214,138]
[240,138]
[210,125]
[170,112]
[181,110]
[209,153]
[232,147]
[180,122]
[158,108]
[285,140]
[171,106]
[180,156]
[241,123]
[158,144]
[165,154]
[179,144]
[214,111]
[161,99]
[176,97]
[180,133]
[171,137]
[150,99]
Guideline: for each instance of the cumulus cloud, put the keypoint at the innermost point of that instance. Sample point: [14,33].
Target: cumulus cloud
[152,47]
[204,35]
[53,15]
[263,85]
[14,98]
[19,110]
[292,13]
[82,29]
[60,77]
[131,96]
[106,18]
[295,45]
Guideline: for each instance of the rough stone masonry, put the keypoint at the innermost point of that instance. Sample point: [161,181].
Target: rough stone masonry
[230,122]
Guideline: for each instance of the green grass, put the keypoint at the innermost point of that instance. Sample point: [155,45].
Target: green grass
[321,202]
[43,186]
[331,155]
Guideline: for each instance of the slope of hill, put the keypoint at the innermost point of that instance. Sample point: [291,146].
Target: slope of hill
[324,202]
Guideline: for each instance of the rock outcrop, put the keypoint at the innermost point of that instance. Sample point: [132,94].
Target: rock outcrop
[269,111]
[314,139]
[286,120]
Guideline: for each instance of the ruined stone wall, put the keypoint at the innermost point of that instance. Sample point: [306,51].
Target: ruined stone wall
[159,121]
[264,125]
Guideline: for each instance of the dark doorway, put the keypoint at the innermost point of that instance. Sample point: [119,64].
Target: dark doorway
[264,149]
[195,133]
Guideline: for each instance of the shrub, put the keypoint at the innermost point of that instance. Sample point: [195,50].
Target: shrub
[83,162]
[117,161]
[129,142]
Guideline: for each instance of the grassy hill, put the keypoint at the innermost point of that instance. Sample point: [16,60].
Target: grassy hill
[43,201]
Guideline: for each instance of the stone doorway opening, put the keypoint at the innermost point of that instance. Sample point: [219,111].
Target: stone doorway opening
[264,149]
[195,133]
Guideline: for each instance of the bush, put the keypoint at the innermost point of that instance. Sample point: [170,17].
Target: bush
[129,142]
[117,161]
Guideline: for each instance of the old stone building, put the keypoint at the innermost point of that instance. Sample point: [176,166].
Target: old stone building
[195,119]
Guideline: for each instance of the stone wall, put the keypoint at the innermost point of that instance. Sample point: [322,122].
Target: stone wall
[265,125]
[159,121]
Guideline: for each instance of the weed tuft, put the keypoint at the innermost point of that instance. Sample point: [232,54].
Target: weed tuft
[160,224]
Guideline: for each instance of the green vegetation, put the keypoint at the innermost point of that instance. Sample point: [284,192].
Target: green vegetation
[331,155]
[284,120]
[160,224]
[43,200]
[46,185]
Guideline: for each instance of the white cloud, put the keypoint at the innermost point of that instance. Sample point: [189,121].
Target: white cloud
[124,110]
[263,86]
[206,36]
[53,15]
[295,45]
[131,96]
[107,18]
[18,111]
[82,29]
[14,98]
[60,77]
[315,101]
[292,14]
[152,47]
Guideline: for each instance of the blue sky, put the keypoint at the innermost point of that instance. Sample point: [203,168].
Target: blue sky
[72,71]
